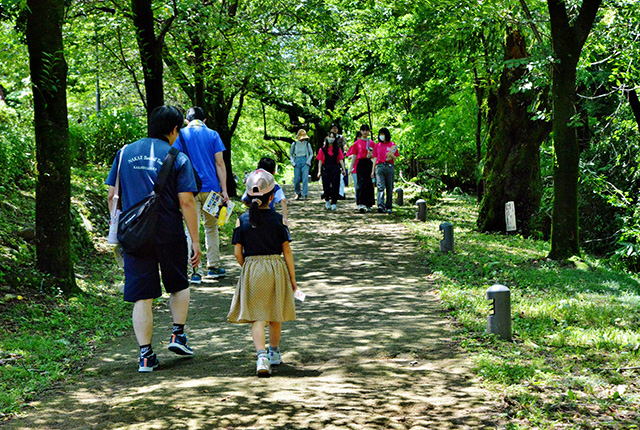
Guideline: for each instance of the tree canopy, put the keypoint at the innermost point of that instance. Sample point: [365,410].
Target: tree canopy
[429,71]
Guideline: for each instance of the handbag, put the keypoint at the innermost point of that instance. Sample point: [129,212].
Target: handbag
[116,209]
[195,173]
[137,225]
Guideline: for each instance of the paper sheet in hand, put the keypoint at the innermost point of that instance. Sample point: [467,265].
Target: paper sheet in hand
[299,295]
[212,204]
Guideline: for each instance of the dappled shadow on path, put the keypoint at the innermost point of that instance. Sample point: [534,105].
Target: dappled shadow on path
[370,349]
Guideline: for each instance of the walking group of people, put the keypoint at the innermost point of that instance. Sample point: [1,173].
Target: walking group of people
[371,162]
[264,292]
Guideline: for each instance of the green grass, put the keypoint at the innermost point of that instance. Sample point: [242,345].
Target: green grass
[44,337]
[575,356]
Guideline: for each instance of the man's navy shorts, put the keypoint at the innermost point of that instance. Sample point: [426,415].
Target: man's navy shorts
[141,275]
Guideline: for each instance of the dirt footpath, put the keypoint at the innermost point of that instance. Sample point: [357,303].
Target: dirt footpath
[370,349]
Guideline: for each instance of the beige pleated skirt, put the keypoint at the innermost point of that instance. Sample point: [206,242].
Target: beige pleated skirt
[264,292]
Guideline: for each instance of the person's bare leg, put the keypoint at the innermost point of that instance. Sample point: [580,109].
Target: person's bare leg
[179,305]
[143,321]
[275,329]
[258,334]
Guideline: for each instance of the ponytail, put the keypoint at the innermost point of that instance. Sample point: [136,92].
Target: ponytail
[254,208]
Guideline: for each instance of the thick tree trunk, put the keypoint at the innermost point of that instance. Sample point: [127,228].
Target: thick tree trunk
[512,161]
[564,221]
[150,53]
[568,38]
[53,190]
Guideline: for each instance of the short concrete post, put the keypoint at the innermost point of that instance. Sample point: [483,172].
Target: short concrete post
[499,321]
[399,196]
[446,244]
[422,210]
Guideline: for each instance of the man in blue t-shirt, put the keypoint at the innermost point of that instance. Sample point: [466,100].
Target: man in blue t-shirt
[205,148]
[138,165]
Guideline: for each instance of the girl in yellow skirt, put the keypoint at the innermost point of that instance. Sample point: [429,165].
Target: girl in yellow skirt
[264,294]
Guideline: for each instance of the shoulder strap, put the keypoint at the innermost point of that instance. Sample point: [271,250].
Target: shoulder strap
[167,165]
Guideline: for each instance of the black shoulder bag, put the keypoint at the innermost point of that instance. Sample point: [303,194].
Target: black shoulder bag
[137,226]
[195,173]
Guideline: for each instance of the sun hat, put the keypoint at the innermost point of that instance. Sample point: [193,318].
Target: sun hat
[259,183]
[301,134]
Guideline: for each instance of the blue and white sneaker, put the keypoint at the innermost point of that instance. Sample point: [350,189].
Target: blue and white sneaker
[263,367]
[196,278]
[178,344]
[147,364]
[274,357]
[216,272]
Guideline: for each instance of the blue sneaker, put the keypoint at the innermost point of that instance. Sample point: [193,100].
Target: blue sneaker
[178,344]
[274,357]
[216,272]
[196,279]
[147,364]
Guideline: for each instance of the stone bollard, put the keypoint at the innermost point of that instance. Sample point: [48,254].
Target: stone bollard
[399,196]
[422,210]
[499,322]
[446,244]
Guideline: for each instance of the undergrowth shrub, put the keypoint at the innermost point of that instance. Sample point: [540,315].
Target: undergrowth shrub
[17,150]
[98,138]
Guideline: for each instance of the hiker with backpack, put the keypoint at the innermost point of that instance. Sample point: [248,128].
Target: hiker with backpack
[204,148]
[133,178]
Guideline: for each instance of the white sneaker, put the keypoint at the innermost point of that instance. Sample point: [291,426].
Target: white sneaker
[263,367]
[327,205]
[334,207]
[274,358]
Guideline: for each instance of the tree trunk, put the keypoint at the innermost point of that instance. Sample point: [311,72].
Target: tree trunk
[150,53]
[53,190]
[512,161]
[634,102]
[568,41]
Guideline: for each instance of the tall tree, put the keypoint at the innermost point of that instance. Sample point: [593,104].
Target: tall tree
[53,190]
[568,38]
[512,162]
[151,47]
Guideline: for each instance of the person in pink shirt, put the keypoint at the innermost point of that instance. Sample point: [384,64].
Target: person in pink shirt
[384,156]
[330,166]
[362,151]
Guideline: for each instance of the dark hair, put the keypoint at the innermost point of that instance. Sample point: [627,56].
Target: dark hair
[336,125]
[268,164]
[254,208]
[358,135]
[387,135]
[365,127]
[335,142]
[163,120]
[195,113]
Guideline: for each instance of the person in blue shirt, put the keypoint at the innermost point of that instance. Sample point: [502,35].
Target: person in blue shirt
[138,165]
[204,148]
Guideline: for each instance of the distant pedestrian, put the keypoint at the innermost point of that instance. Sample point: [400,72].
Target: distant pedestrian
[362,150]
[264,293]
[301,154]
[138,165]
[384,156]
[331,168]
[342,144]
[353,163]
[205,149]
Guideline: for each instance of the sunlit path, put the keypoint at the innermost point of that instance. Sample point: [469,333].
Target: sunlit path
[370,349]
